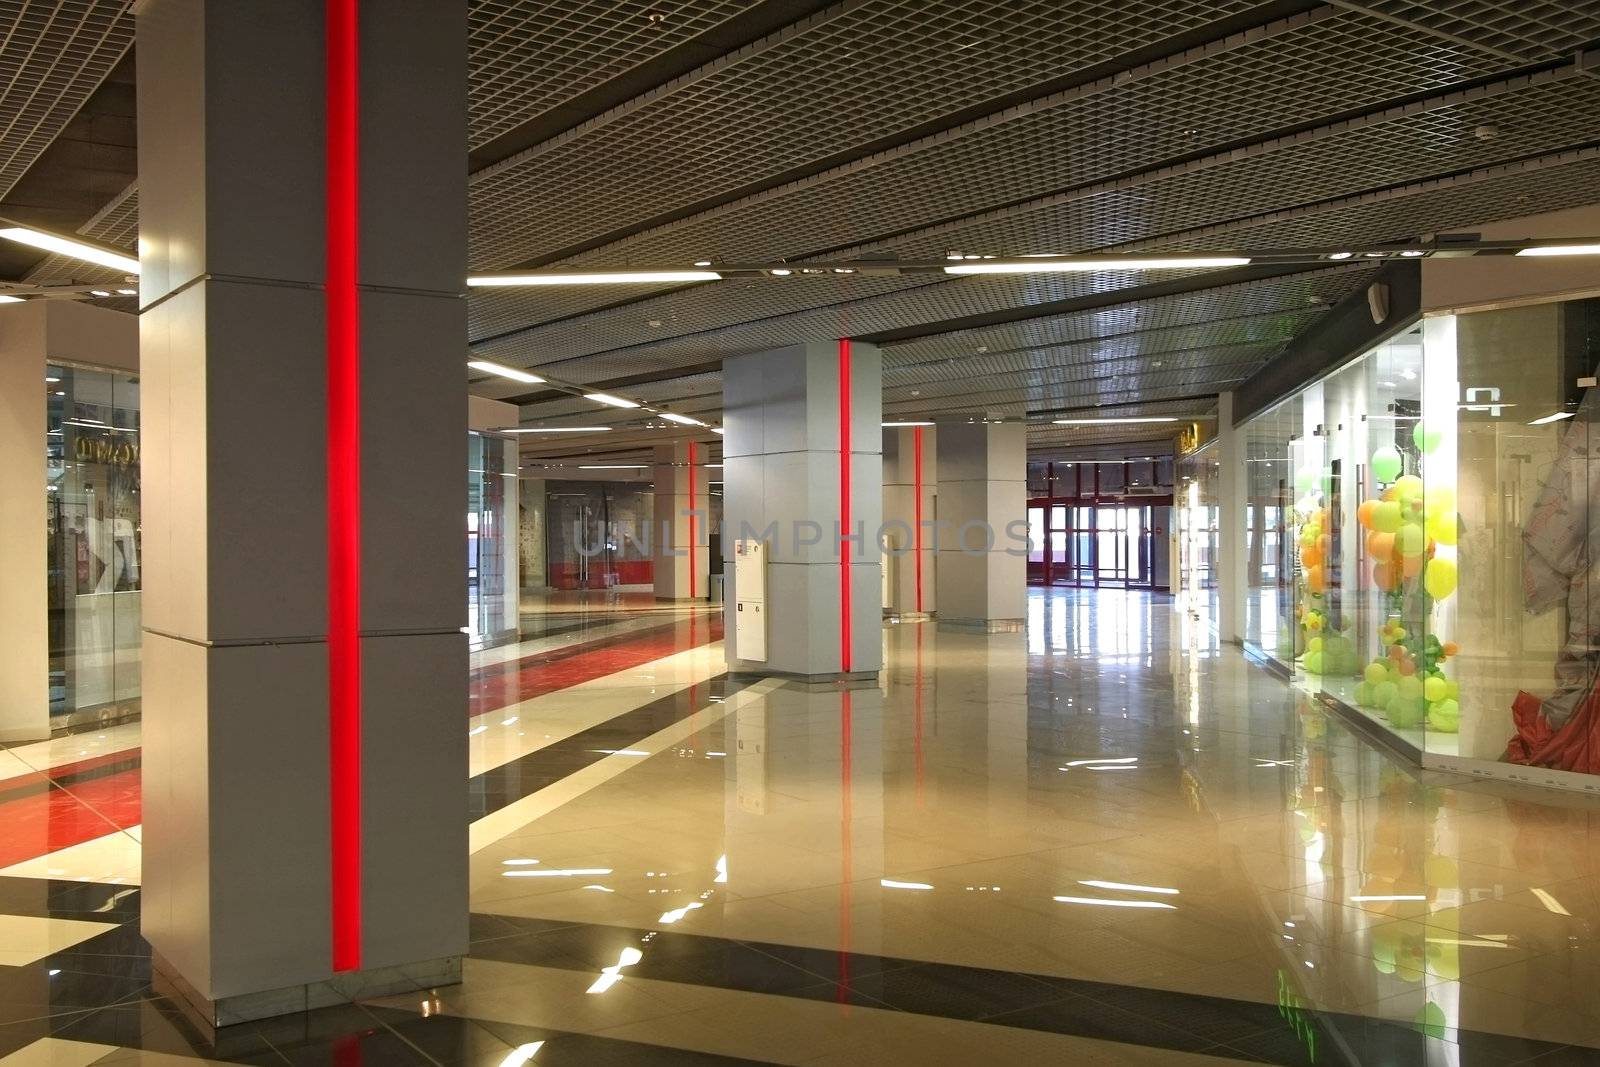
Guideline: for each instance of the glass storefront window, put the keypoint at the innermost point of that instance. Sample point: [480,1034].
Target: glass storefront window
[93,545]
[493,592]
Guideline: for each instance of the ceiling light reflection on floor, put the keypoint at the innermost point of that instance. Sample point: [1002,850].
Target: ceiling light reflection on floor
[890,883]
[1106,902]
[1097,884]
[610,976]
[553,873]
[522,1054]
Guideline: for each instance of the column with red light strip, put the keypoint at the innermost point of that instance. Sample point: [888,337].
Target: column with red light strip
[910,477]
[304,666]
[678,535]
[803,471]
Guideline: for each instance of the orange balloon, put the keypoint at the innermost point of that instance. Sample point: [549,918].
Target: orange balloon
[1411,566]
[1381,577]
[1381,545]
[1364,512]
[1450,648]
[1325,544]
[1388,494]
[1310,557]
[1314,579]
[1407,667]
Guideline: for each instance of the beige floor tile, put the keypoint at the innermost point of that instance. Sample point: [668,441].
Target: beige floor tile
[56,1052]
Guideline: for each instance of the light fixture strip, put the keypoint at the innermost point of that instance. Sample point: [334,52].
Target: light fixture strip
[71,248]
[501,370]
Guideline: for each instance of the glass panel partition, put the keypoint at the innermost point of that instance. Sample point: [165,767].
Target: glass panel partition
[93,544]
[492,589]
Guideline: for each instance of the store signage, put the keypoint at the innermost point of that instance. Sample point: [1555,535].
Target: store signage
[1484,398]
[106,451]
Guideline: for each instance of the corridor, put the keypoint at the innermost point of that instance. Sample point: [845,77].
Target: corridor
[1103,840]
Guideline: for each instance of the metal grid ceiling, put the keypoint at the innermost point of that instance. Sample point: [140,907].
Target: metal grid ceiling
[528,56]
[1535,120]
[872,72]
[1234,97]
[1531,29]
[52,56]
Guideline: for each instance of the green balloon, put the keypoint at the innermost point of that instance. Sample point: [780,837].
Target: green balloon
[1425,438]
[1386,464]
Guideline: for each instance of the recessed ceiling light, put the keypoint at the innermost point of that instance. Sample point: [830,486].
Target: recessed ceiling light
[780,272]
[127,292]
[1113,419]
[1094,263]
[702,263]
[844,270]
[716,429]
[52,381]
[607,398]
[1561,250]
[681,420]
[98,292]
[1413,253]
[1340,255]
[503,371]
[66,246]
[5,299]
[619,277]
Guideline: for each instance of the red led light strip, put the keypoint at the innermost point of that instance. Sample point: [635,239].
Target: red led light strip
[344,482]
[844,504]
[692,458]
[916,506]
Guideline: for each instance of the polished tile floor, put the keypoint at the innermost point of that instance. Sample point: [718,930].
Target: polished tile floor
[1103,840]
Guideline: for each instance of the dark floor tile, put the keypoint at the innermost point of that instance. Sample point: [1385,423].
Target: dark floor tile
[452,1041]
[585,1050]
[32,992]
[831,964]
[1565,1056]
[1082,1017]
[954,992]
[1211,1018]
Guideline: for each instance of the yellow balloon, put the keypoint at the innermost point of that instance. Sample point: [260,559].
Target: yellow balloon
[1442,527]
[1439,579]
[1439,498]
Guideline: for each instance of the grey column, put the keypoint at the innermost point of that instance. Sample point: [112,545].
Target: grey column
[982,550]
[784,415]
[275,881]
[910,475]
[678,537]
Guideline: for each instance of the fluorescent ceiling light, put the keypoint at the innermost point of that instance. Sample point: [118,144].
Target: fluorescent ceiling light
[618,277]
[681,420]
[614,467]
[1557,417]
[1104,903]
[4,299]
[559,429]
[716,429]
[1093,263]
[67,247]
[1095,883]
[1109,421]
[503,371]
[1561,250]
[607,398]
[889,424]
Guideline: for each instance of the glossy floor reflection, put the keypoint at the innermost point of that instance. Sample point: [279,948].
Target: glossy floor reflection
[1103,840]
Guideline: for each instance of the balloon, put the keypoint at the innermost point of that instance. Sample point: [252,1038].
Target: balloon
[1386,465]
[1431,1021]
[1412,540]
[1383,577]
[1310,557]
[1440,578]
[1406,714]
[1375,674]
[1364,513]
[1314,579]
[1409,688]
[1411,566]
[1381,545]
[1363,693]
[1435,688]
[1313,662]
[1408,487]
[1442,527]
[1383,694]
[1425,437]
[1440,498]
[1386,516]
[1305,480]
[1445,716]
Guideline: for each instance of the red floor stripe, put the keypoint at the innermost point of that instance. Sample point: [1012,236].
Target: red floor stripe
[57,817]
[541,678]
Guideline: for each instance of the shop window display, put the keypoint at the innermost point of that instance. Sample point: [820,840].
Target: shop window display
[93,544]
[1420,538]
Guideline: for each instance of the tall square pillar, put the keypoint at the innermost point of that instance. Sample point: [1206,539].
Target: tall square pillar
[803,471]
[303,247]
[982,531]
[910,483]
[679,541]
